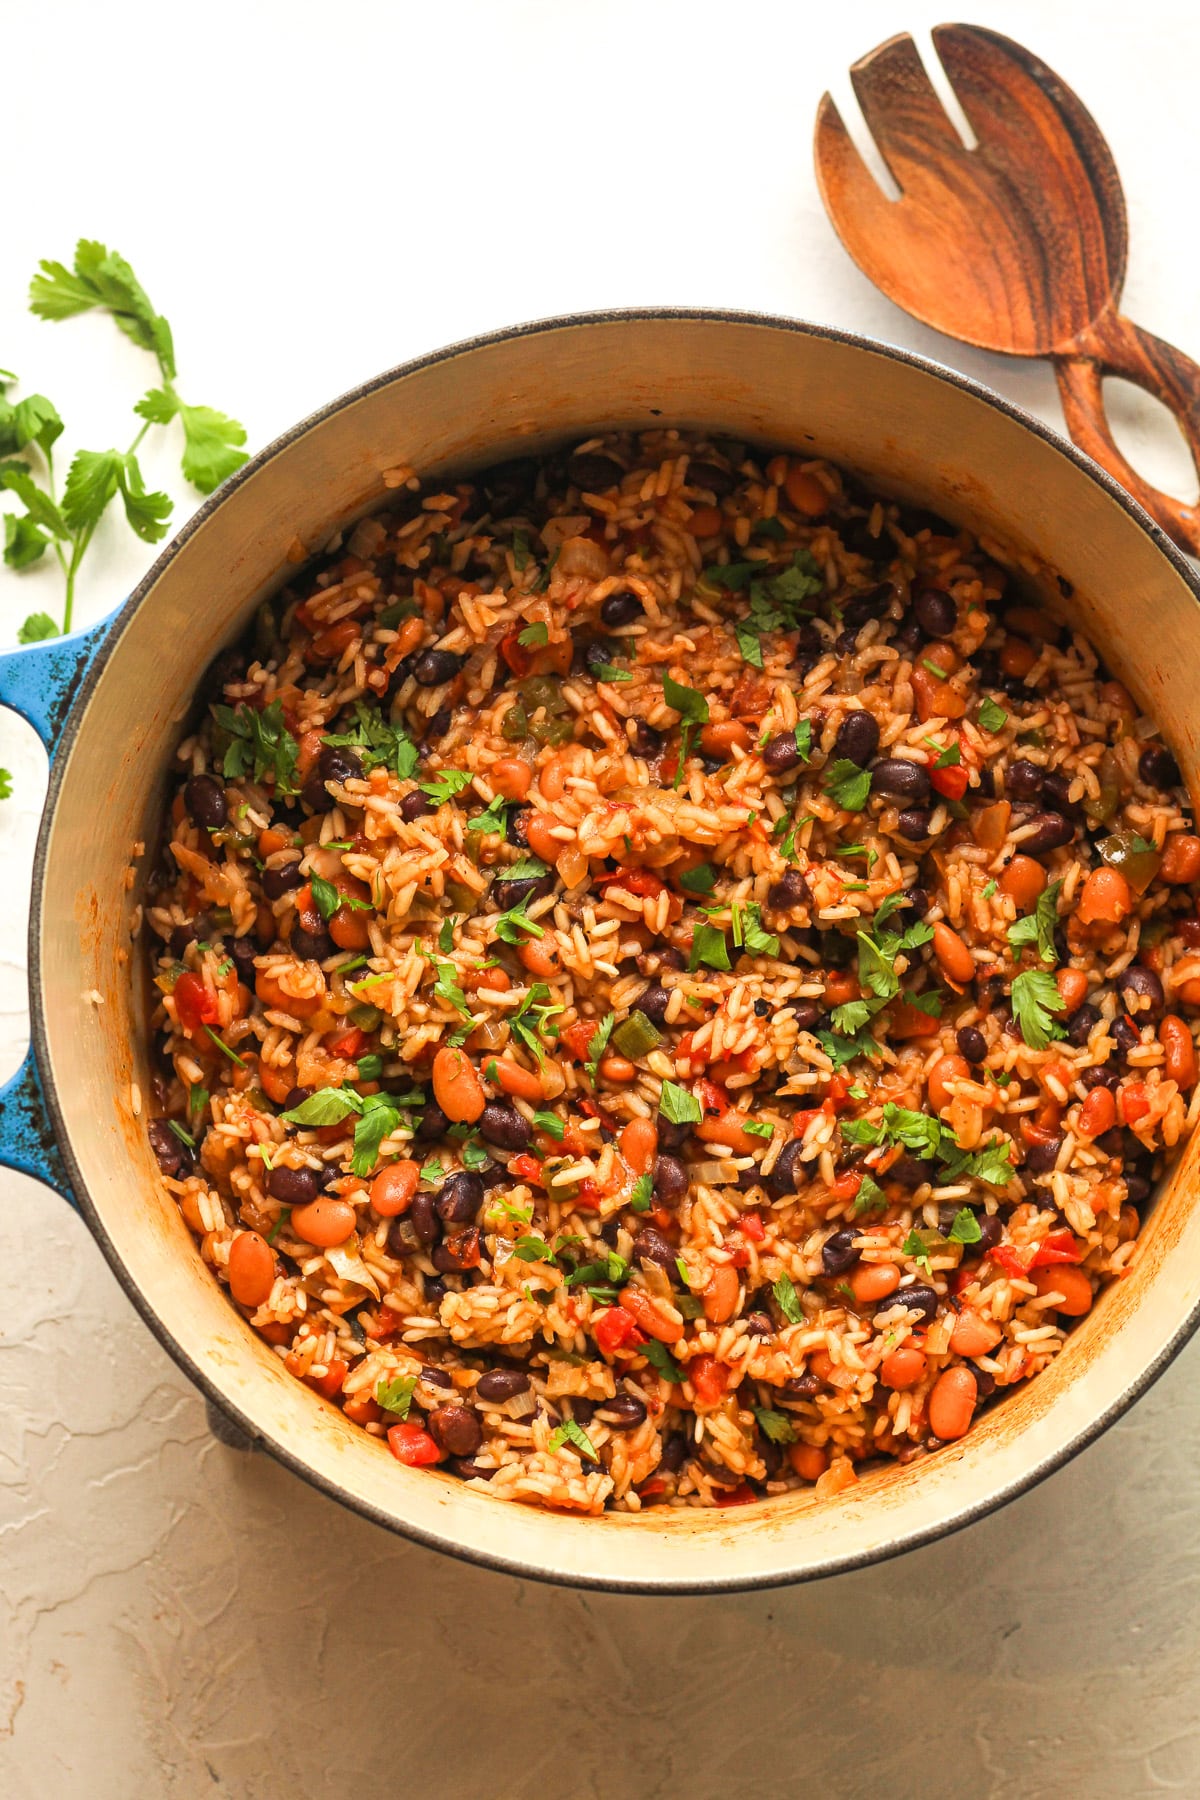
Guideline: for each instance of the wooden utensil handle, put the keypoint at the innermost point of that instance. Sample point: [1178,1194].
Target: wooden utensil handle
[1114,345]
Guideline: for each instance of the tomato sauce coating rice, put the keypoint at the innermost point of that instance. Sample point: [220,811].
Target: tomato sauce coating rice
[677,976]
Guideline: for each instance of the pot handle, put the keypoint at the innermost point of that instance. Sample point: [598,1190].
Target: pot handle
[40,681]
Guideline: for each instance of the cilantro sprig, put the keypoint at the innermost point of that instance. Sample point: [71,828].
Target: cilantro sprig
[100,280]
[692,708]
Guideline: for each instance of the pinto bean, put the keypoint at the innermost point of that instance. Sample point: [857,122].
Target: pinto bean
[957,963]
[456,1086]
[952,1403]
[251,1268]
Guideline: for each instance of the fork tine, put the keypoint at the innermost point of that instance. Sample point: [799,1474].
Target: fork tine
[848,188]
[902,109]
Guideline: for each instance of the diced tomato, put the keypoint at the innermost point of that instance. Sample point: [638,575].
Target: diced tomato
[802,1120]
[515,654]
[576,1038]
[962,1279]
[910,1021]
[348,1043]
[951,781]
[753,1227]
[740,1258]
[643,882]
[837,1091]
[362,1409]
[526,1168]
[615,1329]
[194,1005]
[650,1490]
[1057,1247]
[686,1051]
[411,1445]
[330,1384]
[588,1197]
[1013,1261]
[709,1378]
[738,1496]
[712,1096]
[848,1184]
[1132,1103]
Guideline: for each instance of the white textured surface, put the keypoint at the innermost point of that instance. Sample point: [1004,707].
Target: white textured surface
[313,194]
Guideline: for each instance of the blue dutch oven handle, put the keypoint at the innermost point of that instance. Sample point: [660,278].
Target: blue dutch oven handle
[40,682]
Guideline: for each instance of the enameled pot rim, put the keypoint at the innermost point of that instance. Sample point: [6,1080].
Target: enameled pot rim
[282,1452]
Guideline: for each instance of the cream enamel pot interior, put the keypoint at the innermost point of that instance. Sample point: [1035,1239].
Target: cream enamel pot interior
[904,425]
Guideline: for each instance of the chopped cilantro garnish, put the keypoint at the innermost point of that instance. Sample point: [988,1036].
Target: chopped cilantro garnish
[678,1106]
[598,1043]
[1038,927]
[965,1229]
[692,708]
[377,742]
[870,1196]
[260,743]
[395,1396]
[571,1433]
[551,1124]
[775,1425]
[534,636]
[787,1300]
[661,1358]
[643,1194]
[991,717]
[708,947]
[847,784]
[443,785]
[1035,997]
[699,880]
[491,819]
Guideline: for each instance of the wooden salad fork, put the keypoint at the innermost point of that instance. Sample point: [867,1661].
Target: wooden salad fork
[1018,245]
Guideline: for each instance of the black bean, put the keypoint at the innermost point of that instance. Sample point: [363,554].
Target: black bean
[914,823]
[653,1002]
[650,1246]
[242,952]
[170,1153]
[838,1252]
[459,1199]
[804,1012]
[435,1377]
[1158,768]
[900,779]
[469,1469]
[915,519]
[670,1177]
[907,635]
[788,1173]
[505,894]
[295,1097]
[712,476]
[415,806]
[857,536]
[1081,1024]
[780,752]
[987,784]
[1124,1034]
[1041,1158]
[311,946]
[1111,1143]
[971,1043]
[438,726]
[313,792]
[435,667]
[936,613]
[857,738]
[1101,1074]
[425,1222]
[918,1299]
[183,935]
[226,667]
[281,880]
[1137,1189]
[789,892]
[623,1412]
[985,1384]
[674,1452]
[872,603]
[337,763]
[504,1125]
[204,798]
[918,903]
[758,1324]
[990,1233]
[644,740]
[594,471]
[810,647]
[433,1124]
[502,1384]
[459,1254]
[433,1287]
[1056,789]
[1050,832]
[295,1187]
[1023,780]
[508,483]
[582,1411]
[516,827]
[910,1171]
[455,1429]
[800,1387]
[619,610]
[1142,992]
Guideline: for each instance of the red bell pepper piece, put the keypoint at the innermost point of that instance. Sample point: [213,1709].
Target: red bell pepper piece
[411,1445]
[1132,1103]
[194,1005]
[615,1329]
[1057,1247]
[951,781]
[753,1227]
[348,1043]
[1012,1260]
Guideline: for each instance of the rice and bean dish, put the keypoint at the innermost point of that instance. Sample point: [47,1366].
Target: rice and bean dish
[676,976]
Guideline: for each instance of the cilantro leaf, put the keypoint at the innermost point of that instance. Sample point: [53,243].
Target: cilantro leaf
[551,1124]
[379,1119]
[24,543]
[395,1396]
[443,785]
[571,1433]
[661,1358]
[775,1425]
[509,925]
[700,880]
[378,743]
[5,784]
[1038,927]
[841,1049]
[679,1106]
[965,1229]
[328,1106]
[260,741]
[708,947]
[788,1301]
[692,708]
[847,784]
[536,635]
[991,717]
[870,1197]
[491,819]
[1035,998]
[643,1193]
[803,736]
[598,1043]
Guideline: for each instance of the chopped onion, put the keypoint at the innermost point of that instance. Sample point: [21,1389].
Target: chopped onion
[351,1267]
[722,1173]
